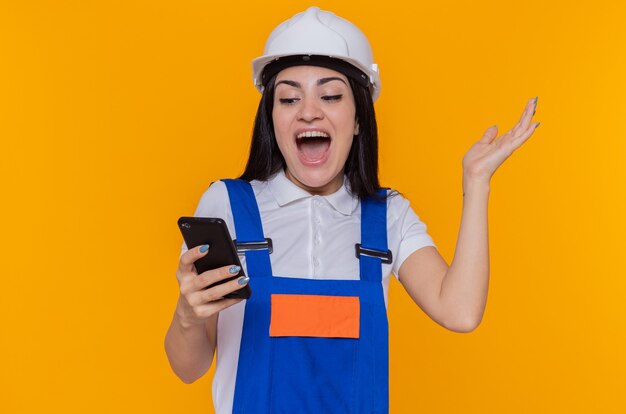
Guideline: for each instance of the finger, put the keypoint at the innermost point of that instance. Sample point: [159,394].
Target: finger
[489,134]
[527,117]
[205,311]
[522,126]
[518,141]
[188,258]
[219,291]
[209,277]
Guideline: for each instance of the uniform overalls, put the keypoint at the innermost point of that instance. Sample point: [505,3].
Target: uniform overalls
[310,345]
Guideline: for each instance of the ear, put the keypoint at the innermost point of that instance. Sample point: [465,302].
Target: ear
[356,127]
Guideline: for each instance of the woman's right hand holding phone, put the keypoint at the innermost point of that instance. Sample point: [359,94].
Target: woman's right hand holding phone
[191,337]
[196,304]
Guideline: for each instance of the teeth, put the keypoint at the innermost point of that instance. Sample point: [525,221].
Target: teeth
[310,134]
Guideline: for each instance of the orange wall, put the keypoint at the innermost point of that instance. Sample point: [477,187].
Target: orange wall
[115,116]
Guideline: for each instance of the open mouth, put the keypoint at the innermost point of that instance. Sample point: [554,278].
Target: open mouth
[313,146]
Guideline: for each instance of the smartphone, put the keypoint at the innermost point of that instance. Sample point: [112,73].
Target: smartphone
[222,252]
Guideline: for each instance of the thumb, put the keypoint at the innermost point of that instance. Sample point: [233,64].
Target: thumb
[489,134]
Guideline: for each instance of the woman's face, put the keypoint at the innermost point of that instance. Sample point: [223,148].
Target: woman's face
[314,122]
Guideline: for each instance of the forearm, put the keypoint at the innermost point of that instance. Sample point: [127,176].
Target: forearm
[464,288]
[188,349]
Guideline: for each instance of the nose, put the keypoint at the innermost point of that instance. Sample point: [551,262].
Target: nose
[310,110]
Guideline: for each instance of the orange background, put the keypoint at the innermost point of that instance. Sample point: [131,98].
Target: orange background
[116,115]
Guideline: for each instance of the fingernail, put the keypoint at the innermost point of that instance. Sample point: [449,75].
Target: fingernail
[243,280]
[539,123]
[234,269]
[204,248]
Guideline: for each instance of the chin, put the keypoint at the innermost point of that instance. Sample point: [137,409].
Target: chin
[318,181]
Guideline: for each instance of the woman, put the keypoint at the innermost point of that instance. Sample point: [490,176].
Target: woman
[313,336]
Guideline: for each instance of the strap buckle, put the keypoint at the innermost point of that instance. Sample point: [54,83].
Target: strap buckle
[386,257]
[243,247]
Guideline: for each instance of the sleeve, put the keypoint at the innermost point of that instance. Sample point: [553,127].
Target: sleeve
[408,232]
[214,202]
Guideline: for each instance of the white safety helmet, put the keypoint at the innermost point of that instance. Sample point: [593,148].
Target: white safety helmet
[317,33]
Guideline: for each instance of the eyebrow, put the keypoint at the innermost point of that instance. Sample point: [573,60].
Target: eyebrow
[319,82]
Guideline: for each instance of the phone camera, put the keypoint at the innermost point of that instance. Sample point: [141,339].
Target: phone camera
[186,225]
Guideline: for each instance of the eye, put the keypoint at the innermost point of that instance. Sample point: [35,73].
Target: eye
[331,97]
[288,101]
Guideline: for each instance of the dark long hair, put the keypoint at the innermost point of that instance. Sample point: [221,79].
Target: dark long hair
[361,167]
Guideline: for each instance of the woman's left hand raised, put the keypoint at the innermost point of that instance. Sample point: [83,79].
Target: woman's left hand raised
[486,155]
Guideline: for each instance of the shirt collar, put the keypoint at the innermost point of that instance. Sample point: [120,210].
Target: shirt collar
[285,192]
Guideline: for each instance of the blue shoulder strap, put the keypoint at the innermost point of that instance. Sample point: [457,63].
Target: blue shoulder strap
[373,236]
[248,226]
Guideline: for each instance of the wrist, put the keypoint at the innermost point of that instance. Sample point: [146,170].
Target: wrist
[183,321]
[474,185]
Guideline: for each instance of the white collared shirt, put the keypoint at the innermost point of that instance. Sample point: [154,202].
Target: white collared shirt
[313,237]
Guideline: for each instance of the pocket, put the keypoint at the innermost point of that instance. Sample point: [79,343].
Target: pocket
[314,345]
[315,316]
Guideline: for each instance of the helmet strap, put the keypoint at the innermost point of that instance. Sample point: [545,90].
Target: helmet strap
[314,60]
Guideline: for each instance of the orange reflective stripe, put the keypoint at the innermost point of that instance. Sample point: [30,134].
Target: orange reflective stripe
[315,315]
